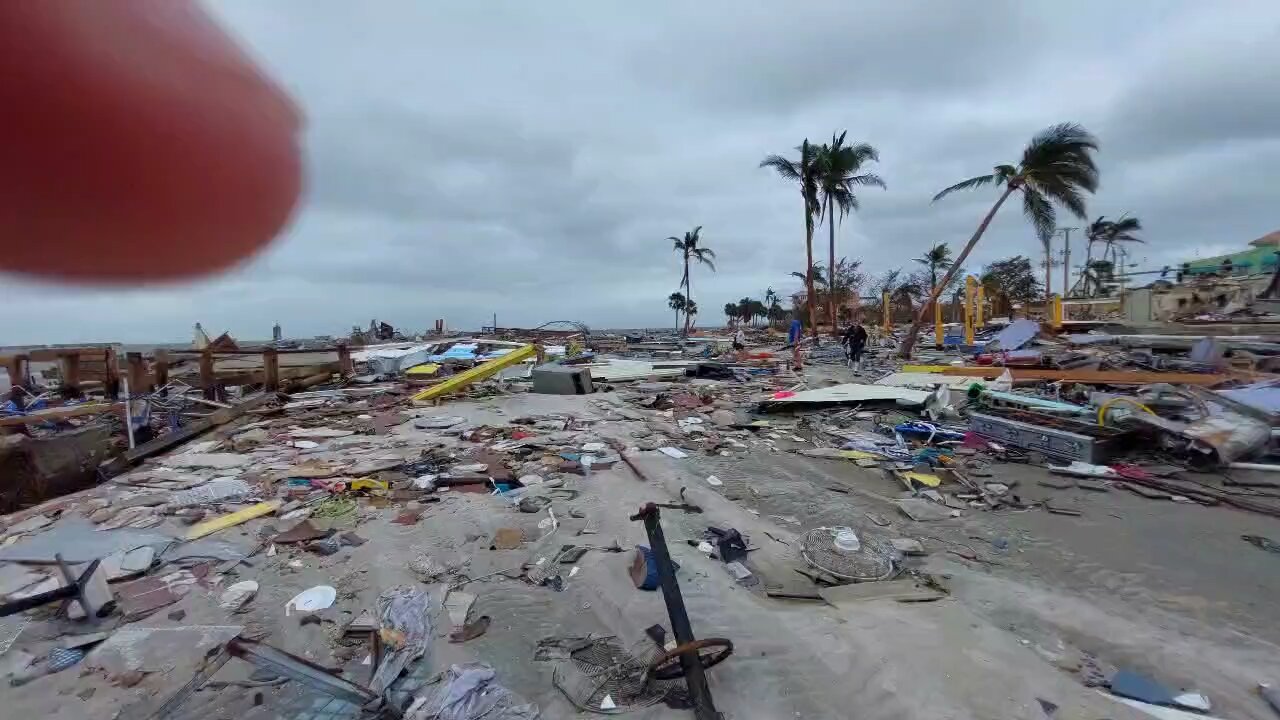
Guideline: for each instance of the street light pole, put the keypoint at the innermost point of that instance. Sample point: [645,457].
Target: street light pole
[1066,259]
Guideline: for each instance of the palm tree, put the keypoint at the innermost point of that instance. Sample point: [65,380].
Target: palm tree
[676,301]
[819,276]
[1057,166]
[1121,231]
[803,171]
[689,249]
[731,311]
[690,312]
[838,166]
[938,258]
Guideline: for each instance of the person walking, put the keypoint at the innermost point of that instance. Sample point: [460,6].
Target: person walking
[855,340]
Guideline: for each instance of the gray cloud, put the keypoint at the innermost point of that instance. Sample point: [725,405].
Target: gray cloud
[530,159]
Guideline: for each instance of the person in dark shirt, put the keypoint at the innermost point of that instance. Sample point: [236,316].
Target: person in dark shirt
[854,341]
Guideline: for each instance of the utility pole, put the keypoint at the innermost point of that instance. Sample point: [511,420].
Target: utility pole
[1066,259]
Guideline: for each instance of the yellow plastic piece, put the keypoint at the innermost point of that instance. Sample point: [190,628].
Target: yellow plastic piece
[970,312]
[424,369]
[479,372]
[1102,409]
[369,484]
[978,321]
[222,522]
[922,478]
[1057,311]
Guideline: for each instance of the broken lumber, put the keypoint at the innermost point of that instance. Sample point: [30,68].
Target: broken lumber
[61,413]
[182,435]
[479,372]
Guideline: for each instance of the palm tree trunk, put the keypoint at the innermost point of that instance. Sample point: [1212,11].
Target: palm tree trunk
[831,268]
[688,292]
[909,342]
[808,274]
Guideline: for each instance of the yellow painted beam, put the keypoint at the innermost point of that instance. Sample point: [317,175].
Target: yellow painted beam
[479,372]
[222,522]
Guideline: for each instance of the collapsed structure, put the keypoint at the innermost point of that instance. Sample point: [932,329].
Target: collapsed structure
[525,522]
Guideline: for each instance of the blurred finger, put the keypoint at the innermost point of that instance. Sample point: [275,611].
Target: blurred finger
[140,142]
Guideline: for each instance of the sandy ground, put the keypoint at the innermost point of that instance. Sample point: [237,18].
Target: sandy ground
[1154,586]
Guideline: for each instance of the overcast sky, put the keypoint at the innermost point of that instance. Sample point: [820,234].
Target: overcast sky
[529,158]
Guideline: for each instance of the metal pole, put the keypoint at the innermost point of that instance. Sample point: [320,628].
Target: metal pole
[1066,259]
[128,411]
[695,676]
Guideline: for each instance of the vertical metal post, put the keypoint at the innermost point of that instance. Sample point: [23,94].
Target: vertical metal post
[888,312]
[695,675]
[1066,260]
[128,411]
[937,323]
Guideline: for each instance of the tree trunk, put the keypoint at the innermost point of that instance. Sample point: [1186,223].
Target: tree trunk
[688,293]
[808,273]
[677,321]
[909,342]
[831,269]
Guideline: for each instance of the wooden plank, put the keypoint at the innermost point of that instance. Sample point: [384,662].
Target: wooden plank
[70,367]
[479,372]
[162,369]
[139,378]
[61,413]
[55,354]
[206,375]
[344,361]
[271,363]
[182,435]
[1107,377]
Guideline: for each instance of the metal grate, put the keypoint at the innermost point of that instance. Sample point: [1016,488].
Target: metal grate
[606,669]
[873,561]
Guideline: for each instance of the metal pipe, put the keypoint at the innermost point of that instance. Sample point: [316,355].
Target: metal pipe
[128,411]
[699,694]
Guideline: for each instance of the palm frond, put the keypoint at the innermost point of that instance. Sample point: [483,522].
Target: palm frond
[971,183]
[788,169]
[1040,212]
[1064,151]
[868,180]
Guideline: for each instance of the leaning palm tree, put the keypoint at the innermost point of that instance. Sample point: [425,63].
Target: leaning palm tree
[1057,166]
[676,301]
[803,171]
[689,249]
[838,175]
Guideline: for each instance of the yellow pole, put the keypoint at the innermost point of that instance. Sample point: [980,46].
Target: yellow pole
[970,295]
[1057,311]
[980,322]
[937,324]
[888,315]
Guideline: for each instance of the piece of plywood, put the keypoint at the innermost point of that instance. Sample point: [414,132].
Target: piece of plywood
[849,393]
[479,372]
[899,590]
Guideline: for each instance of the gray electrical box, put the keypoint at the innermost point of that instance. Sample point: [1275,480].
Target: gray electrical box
[562,380]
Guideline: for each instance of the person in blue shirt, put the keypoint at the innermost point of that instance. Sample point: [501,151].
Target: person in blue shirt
[793,335]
